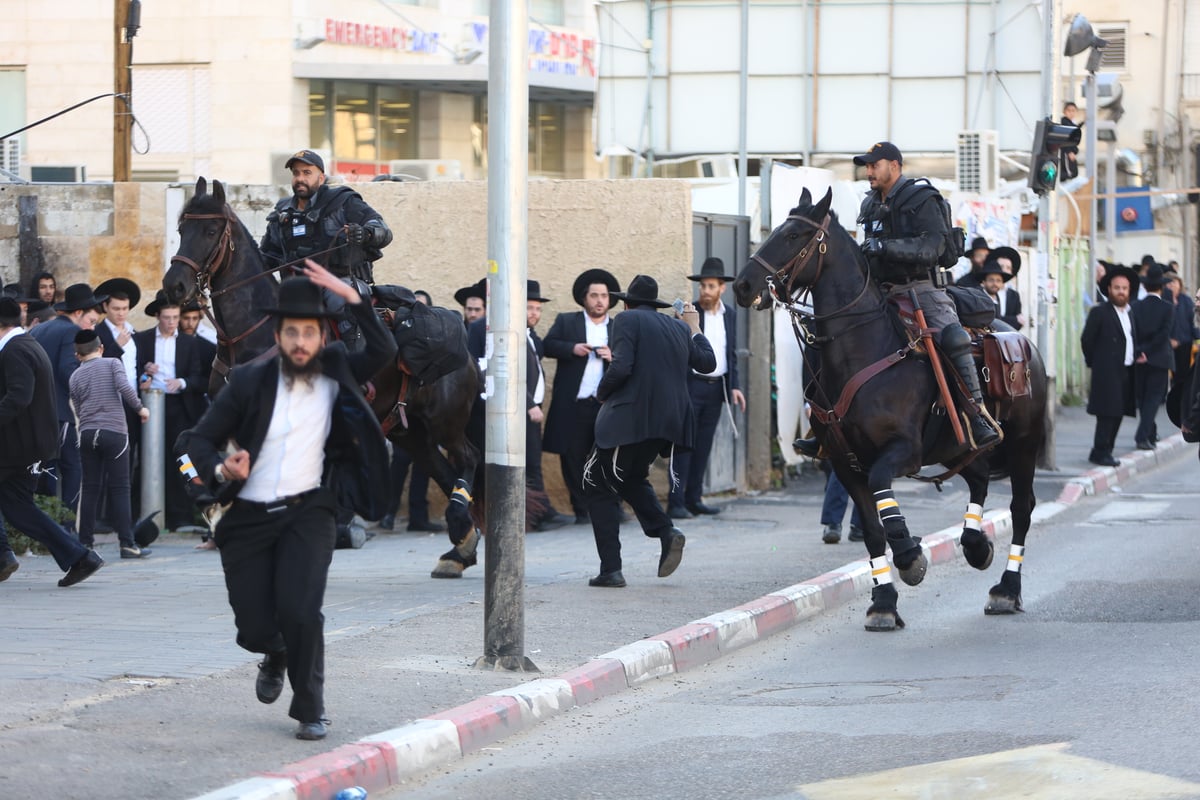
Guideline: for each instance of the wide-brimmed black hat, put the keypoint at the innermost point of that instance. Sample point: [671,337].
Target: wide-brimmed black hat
[474,290]
[160,300]
[643,291]
[533,291]
[878,152]
[978,243]
[124,285]
[992,267]
[712,267]
[589,276]
[1155,277]
[300,298]
[1113,270]
[191,305]
[79,296]
[1009,253]
[146,531]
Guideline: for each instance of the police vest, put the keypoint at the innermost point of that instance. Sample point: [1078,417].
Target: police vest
[316,228]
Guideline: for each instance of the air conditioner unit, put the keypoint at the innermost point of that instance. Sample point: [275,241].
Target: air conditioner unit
[57,173]
[977,161]
[279,171]
[717,167]
[427,169]
[10,154]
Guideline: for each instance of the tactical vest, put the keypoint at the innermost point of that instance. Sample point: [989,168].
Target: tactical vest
[316,229]
[897,219]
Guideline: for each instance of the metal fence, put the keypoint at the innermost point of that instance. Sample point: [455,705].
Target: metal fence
[1075,297]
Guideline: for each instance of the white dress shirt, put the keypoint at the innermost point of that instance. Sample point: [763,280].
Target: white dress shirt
[164,357]
[1127,326]
[293,454]
[539,391]
[128,352]
[714,331]
[597,336]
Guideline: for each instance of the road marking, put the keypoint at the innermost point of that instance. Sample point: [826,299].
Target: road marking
[1130,511]
[1045,772]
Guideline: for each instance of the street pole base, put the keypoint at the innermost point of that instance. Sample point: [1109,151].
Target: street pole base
[506,664]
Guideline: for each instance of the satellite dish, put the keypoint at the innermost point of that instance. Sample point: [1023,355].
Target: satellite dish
[1080,37]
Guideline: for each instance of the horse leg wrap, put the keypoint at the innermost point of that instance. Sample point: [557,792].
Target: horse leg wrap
[1016,556]
[881,571]
[889,514]
[973,519]
[461,495]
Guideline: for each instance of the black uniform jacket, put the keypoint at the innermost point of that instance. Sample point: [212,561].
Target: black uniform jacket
[644,390]
[1103,345]
[356,459]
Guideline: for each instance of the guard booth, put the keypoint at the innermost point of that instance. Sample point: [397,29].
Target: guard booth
[728,238]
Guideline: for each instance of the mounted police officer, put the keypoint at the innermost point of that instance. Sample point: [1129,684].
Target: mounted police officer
[333,225]
[908,241]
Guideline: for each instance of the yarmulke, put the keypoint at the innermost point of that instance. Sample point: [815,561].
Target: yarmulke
[9,307]
[86,335]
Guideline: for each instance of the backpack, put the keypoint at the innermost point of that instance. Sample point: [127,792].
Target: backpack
[432,341]
[954,241]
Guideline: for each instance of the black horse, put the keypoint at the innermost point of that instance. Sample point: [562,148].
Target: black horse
[888,429]
[219,265]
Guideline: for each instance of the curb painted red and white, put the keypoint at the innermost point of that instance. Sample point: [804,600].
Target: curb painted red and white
[400,754]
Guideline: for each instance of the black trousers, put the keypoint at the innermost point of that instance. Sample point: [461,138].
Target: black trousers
[1150,389]
[276,564]
[622,474]
[180,509]
[418,487]
[708,401]
[105,459]
[17,506]
[1105,437]
[583,439]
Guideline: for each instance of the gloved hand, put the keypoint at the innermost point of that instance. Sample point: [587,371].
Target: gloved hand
[357,234]
[873,247]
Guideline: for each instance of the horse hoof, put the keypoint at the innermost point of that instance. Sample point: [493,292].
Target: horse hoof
[999,604]
[468,547]
[914,573]
[978,550]
[447,568]
[883,621]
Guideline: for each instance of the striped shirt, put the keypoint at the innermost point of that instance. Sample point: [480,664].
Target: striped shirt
[97,389]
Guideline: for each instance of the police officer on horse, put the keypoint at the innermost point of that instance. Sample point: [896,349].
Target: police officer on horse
[908,241]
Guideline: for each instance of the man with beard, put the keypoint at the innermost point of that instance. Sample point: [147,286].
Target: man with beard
[1108,349]
[709,391]
[306,440]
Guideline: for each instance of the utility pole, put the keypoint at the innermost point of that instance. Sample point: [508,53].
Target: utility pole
[124,29]
[1047,240]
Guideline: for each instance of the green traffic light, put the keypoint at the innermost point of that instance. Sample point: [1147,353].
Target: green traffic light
[1048,172]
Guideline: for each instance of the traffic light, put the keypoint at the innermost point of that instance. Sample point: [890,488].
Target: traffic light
[1045,160]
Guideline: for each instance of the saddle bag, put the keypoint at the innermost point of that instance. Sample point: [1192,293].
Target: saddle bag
[432,341]
[1006,365]
[975,308]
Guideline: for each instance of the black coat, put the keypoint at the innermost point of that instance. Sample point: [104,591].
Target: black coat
[111,348]
[1103,345]
[644,390]
[731,374]
[28,423]
[57,338]
[1012,307]
[1154,318]
[189,365]
[356,458]
[568,330]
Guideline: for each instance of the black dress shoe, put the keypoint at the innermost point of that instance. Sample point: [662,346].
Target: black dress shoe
[678,512]
[8,564]
[609,580]
[387,522]
[807,447]
[672,551]
[1144,445]
[269,685]
[1105,461]
[83,569]
[700,508]
[426,527]
[313,731]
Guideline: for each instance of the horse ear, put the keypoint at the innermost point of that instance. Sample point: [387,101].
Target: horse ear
[201,187]
[822,208]
[219,192]
[805,198]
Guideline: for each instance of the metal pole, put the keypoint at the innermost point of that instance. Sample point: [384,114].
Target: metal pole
[1093,162]
[743,105]
[153,452]
[122,85]
[504,449]
[1047,243]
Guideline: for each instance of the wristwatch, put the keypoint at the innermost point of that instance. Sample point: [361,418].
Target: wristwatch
[219,473]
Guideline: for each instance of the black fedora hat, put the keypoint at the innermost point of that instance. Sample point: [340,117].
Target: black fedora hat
[1155,277]
[1007,252]
[159,302]
[712,267]
[474,290]
[146,531]
[992,267]
[124,285]
[300,298]
[643,291]
[533,291]
[978,243]
[79,296]
[588,277]
[1113,270]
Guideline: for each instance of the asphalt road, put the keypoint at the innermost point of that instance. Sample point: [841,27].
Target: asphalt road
[1089,694]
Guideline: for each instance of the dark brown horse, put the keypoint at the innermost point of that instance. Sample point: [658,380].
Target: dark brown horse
[890,427]
[219,265]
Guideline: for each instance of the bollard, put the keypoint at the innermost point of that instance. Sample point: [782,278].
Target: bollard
[153,451]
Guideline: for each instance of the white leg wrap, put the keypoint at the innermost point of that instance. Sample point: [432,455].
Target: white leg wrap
[1016,556]
[973,519]
[881,571]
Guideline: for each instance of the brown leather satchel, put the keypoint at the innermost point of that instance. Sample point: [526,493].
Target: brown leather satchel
[1006,358]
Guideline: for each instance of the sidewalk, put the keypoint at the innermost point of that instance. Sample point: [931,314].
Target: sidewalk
[130,685]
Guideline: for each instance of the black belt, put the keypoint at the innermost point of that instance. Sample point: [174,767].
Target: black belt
[706,379]
[589,400]
[282,504]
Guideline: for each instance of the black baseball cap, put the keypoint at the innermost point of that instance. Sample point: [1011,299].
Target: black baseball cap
[307,157]
[878,152]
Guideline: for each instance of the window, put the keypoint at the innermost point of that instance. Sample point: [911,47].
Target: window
[12,115]
[1112,57]
[547,139]
[173,106]
[397,123]
[362,121]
